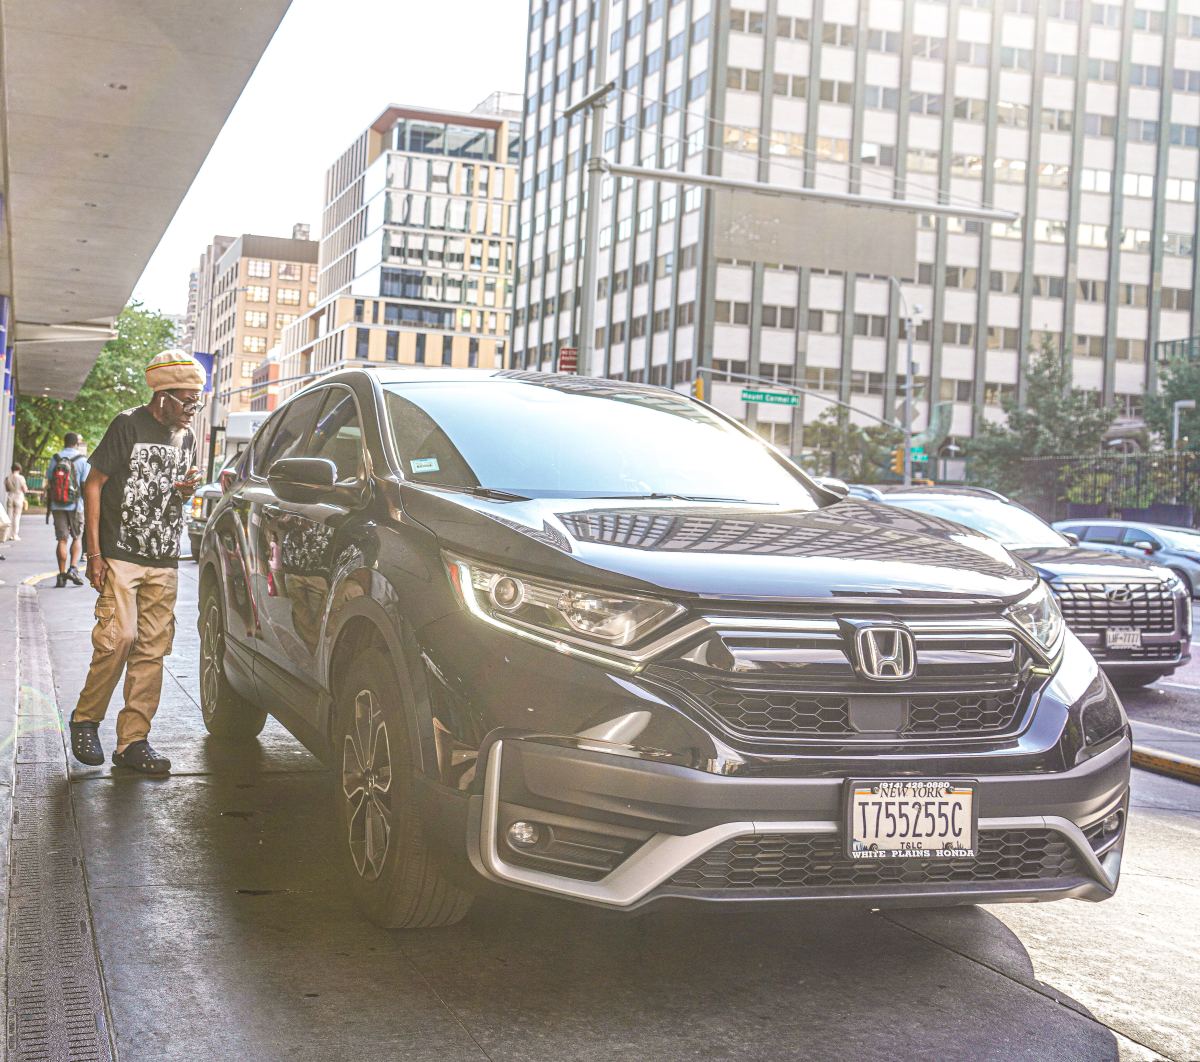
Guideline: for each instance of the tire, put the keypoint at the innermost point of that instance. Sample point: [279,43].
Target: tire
[393,877]
[1135,680]
[226,713]
[195,541]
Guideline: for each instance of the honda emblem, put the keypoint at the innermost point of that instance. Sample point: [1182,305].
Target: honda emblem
[886,654]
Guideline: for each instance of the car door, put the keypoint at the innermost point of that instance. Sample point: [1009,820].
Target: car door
[285,436]
[297,541]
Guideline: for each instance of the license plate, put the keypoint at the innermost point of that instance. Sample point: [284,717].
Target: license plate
[1123,638]
[923,818]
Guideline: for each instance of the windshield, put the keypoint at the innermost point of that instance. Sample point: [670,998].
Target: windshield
[1009,525]
[1185,540]
[568,437]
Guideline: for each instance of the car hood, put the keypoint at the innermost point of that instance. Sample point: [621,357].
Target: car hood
[1079,562]
[850,550]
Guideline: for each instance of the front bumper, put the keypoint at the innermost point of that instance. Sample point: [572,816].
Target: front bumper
[646,831]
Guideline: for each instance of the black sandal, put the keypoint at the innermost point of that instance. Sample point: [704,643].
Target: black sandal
[141,757]
[85,743]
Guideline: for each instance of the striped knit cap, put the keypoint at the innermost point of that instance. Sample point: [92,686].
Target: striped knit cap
[175,370]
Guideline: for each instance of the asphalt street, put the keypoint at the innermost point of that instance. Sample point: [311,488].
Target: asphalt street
[222,929]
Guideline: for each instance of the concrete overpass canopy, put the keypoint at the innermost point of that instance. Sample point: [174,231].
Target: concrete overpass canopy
[107,111]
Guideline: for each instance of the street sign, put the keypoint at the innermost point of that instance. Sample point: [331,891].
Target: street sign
[919,454]
[568,359]
[770,398]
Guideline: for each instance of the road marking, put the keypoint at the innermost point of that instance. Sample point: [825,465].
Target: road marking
[1178,685]
[33,580]
[1182,767]
[1173,729]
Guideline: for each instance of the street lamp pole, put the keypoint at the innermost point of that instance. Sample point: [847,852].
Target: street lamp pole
[212,405]
[908,381]
[1179,407]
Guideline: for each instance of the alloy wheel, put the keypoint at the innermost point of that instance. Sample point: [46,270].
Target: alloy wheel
[367,783]
[210,661]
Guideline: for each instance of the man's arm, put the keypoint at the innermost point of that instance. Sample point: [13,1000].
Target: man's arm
[97,567]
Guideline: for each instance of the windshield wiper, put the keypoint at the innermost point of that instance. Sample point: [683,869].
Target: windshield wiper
[671,497]
[492,493]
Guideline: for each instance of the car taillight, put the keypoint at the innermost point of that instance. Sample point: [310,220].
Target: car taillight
[197,507]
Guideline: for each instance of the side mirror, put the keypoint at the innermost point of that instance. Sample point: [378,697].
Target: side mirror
[302,479]
[1145,546]
[1071,537]
[835,486]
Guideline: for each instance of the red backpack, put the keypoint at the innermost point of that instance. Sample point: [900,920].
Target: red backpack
[64,480]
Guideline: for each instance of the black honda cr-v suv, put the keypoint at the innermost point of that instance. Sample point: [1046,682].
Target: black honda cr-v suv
[596,640]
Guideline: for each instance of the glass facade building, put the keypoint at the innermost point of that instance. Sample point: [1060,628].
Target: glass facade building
[418,237]
[1081,117]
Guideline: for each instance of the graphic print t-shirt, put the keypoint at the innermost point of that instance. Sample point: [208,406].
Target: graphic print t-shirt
[141,515]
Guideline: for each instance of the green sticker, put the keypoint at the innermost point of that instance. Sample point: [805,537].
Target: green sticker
[424,464]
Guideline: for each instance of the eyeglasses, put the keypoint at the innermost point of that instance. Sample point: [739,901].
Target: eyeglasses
[188,407]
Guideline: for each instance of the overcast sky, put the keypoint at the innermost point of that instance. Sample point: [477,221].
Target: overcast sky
[327,74]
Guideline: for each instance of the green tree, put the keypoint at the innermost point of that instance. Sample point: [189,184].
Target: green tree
[1180,378]
[835,446]
[116,382]
[1057,420]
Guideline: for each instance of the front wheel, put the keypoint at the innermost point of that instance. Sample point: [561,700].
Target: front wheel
[394,878]
[226,713]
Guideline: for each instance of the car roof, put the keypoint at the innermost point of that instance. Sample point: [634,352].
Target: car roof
[1108,522]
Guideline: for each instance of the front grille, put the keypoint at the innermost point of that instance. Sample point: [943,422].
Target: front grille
[1090,608]
[789,862]
[773,709]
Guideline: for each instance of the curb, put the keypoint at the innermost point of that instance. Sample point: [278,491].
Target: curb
[1181,767]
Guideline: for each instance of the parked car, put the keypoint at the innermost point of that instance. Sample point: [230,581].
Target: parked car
[1135,617]
[1177,548]
[595,640]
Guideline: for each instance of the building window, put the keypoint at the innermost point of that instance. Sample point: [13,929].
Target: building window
[447,350]
[248,368]
[362,346]
[254,344]
[419,357]
[473,352]
[289,271]
[392,351]
[287,296]
[256,318]
[258,293]
[258,267]
[282,320]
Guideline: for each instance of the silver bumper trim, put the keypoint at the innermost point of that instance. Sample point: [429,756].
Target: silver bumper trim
[656,861]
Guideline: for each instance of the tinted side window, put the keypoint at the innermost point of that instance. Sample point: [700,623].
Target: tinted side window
[1137,534]
[288,439]
[337,436]
[1109,535]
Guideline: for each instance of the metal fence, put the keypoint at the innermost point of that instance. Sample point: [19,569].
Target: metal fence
[1162,487]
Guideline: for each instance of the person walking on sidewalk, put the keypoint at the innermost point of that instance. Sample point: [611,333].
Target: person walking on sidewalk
[64,487]
[142,472]
[15,489]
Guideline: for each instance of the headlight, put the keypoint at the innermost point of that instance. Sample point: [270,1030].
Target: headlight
[1174,583]
[197,507]
[559,614]
[1038,615]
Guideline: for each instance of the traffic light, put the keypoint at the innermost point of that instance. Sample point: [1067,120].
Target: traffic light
[698,388]
[898,460]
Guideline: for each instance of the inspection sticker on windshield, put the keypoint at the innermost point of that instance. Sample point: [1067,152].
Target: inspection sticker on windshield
[424,464]
[923,818]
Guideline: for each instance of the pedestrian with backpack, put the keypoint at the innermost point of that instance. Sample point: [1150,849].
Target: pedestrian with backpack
[142,473]
[64,489]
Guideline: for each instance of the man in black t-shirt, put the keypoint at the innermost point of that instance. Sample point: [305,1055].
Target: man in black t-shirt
[141,474]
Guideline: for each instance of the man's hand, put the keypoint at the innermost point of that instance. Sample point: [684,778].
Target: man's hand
[97,571]
[186,487]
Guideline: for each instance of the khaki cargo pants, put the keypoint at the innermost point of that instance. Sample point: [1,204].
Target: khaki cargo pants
[135,627]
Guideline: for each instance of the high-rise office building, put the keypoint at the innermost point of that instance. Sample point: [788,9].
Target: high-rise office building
[244,292]
[1082,117]
[417,245]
